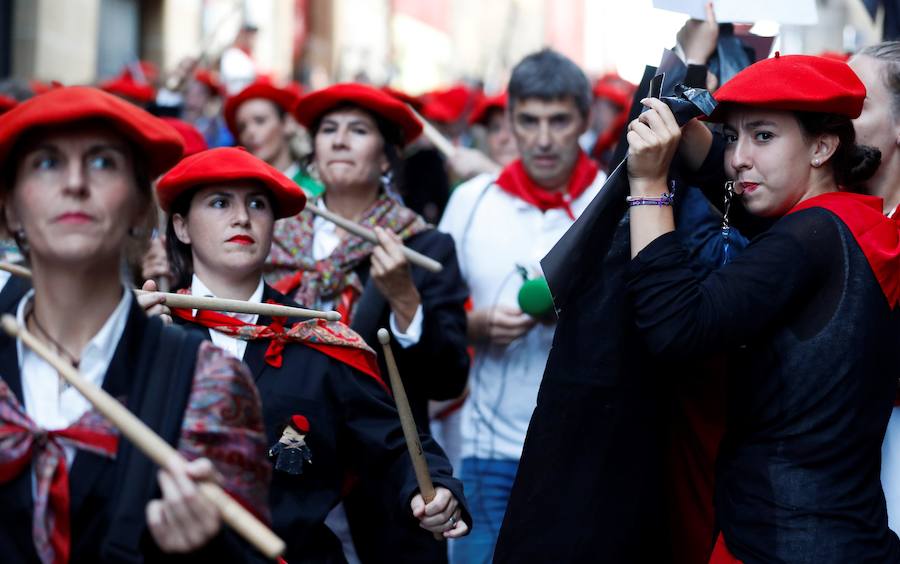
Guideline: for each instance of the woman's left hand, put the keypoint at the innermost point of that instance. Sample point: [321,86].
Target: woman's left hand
[184,519]
[154,304]
[441,515]
[652,142]
[391,275]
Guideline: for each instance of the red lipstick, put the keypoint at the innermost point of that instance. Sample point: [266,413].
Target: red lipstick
[242,240]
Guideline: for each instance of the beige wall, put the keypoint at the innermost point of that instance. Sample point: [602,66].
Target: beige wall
[56,40]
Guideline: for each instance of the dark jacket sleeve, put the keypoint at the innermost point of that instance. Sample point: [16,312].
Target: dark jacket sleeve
[681,316]
[440,358]
[373,430]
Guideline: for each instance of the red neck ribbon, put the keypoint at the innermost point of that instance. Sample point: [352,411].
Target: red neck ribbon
[877,236]
[515,180]
[23,443]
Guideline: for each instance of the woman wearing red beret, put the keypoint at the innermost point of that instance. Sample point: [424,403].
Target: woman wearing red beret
[357,134]
[259,118]
[328,413]
[77,165]
[808,312]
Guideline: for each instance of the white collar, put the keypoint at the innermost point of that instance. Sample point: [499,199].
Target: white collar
[292,170]
[198,288]
[103,345]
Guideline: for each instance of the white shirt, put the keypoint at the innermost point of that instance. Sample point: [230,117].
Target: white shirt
[325,241]
[292,170]
[235,347]
[494,231]
[48,403]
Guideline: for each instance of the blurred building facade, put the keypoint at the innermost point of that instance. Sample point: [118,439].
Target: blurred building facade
[413,44]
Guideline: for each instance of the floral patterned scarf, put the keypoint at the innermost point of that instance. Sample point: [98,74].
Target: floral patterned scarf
[292,270]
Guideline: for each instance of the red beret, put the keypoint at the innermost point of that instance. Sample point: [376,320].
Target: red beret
[313,106]
[193,139]
[448,105]
[229,164]
[127,87]
[206,78]
[484,107]
[284,99]
[161,146]
[413,101]
[300,423]
[7,103]
[795,83]
[614,88]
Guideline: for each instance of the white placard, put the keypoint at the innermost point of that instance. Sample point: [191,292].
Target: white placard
[788,12]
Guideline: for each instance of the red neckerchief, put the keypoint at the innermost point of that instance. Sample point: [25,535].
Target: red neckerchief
[877,236]
[23,442]
[516,181]
[331,338]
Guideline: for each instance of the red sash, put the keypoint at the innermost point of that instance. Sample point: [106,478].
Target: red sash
[331,338]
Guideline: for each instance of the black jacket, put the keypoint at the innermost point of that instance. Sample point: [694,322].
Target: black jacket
[354,430]
[108,497]
[435,368]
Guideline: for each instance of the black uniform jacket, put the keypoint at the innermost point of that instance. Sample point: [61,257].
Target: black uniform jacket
[435,368]
[354,429]
[438,365]
[108,497]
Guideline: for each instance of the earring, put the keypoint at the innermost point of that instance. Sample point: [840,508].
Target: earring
[726,225]
[387,179]
[816,162]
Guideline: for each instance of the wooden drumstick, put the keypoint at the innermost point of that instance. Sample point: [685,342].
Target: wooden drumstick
[185,301]
[412,256]
[213,304]
[15,269]
[151,444]
[437,138]
[420,465]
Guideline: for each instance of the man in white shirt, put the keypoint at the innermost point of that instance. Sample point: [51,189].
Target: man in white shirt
[502,226]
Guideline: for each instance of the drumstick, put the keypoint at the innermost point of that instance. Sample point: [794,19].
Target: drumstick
[213,304]
[151,444]
[412,256]
[15,269]
[420,465]
[239,306]
[437,138]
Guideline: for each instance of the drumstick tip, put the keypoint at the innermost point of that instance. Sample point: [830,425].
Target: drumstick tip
[10,325]
[332,316]
[383,336]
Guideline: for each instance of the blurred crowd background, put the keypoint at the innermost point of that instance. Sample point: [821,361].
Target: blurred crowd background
[412,45]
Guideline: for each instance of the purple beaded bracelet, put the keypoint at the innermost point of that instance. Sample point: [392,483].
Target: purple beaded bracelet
[664,200]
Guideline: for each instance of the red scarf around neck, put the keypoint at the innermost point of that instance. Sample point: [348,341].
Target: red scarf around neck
[331,338]
[515,180]
[877,236]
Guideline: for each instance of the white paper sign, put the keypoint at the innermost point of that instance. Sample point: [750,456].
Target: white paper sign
[789,12]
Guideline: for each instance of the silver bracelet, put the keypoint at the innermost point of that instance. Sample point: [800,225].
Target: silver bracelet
[665,199]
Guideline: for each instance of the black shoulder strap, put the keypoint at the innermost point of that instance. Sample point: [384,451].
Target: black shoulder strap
[165,375]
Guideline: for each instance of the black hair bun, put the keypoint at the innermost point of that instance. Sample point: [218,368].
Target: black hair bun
[860,164]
